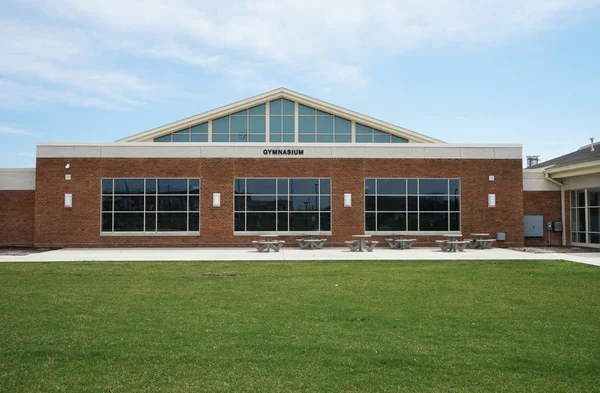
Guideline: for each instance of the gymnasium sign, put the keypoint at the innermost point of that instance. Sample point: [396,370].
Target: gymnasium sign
[283,152]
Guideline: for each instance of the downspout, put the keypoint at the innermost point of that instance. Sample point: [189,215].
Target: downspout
[562,206]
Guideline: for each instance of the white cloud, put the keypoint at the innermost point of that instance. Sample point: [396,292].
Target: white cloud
[328,42]
[16,131]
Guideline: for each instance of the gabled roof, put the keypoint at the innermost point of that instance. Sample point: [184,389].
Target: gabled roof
[582,155]
[411,136]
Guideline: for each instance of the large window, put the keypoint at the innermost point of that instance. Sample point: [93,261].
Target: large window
[317,126]
[282,205]
[150,205]
[412,205]
[281,117]
[585,216]
[197,133]
[366,134]
[248,125]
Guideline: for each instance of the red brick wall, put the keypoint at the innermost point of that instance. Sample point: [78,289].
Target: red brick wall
[80,226]
[16,218]
[547,204]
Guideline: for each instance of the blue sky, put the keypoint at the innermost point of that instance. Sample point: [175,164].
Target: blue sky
[487,71]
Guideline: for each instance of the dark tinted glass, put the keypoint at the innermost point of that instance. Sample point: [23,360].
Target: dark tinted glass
[129,186]
[282,221]
[194,221]
[391,203]
[172,186]
[282,203]
[240,203]
[454,186]
[580,198]
[107,203]
[370,203]
[413,203]
[412,186]
[129,222]
[455,203]
[151,222]
[594,219]
[260,186]
[370,222]
[150,186]
[433,186]
[194,202]
[171,221]
[325,203]
[239,186]
[107,186]
[239,222]
[304,203]
[304,221]
[433,203]
[325,186]
[172,203]
[129,203]
[391,221]
[433,221]
[304,186]
[413,221]
[391,186]
[325,222]
[454,221]
[369,186]
[282,186]
[261,203]
[194,186]
[261,222]
[593,198]
[107,222]
[151,203]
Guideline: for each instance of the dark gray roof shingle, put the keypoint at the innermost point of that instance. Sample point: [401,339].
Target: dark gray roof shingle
[584,154]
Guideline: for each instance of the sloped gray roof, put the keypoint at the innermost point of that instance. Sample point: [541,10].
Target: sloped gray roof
[584,154]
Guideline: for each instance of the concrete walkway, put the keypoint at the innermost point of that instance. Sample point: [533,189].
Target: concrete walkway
[287,254]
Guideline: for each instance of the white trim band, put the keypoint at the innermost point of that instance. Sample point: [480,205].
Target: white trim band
[257,150]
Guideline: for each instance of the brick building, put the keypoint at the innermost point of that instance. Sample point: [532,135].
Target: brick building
[562,199]
[280,162]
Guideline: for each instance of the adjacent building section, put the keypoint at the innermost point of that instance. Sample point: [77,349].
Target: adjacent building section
[574,179]
[17,207]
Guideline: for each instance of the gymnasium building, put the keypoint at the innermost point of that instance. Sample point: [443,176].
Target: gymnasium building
[289,164]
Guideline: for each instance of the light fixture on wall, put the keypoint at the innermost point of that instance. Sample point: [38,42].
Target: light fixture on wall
[491,200]
[347,200]
[68,166]
[69,200]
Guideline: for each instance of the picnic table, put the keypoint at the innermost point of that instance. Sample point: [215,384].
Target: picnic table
[311,242]
[452,244]
[400,242]
[361,243]
[269,243]
[480,242]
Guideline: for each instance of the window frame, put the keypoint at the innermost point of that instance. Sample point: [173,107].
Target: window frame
[406,210]
[285,233]
[156,232]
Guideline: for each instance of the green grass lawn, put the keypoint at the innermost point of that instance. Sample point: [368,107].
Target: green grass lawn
[300,327]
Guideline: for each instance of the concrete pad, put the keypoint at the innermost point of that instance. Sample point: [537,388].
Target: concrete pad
[287,254]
